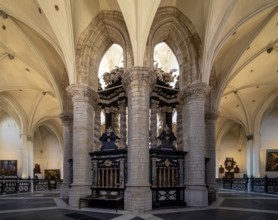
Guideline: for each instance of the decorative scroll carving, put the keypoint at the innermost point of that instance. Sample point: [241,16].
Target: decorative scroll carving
[192,92]
[83,93]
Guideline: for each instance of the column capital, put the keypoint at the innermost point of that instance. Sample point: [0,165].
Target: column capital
[66,116]
[138,76]
[30,138]
[194,91]
[211,116]
[83,93]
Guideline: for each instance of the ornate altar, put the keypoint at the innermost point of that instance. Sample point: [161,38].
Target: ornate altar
[230,168]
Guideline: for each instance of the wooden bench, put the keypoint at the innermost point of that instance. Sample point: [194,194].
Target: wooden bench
[95,198]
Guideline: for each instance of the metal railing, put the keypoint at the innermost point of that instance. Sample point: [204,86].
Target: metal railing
[260,185]
[17,185]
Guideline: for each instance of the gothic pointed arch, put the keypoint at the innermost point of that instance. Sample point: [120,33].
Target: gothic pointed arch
[107,28]
[172,27]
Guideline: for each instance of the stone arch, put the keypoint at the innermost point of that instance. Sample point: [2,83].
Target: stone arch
[12,108]
[107,27]
[172,27]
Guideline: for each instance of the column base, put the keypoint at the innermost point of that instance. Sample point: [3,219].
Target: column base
[76,192]
[196,196]
[138,198]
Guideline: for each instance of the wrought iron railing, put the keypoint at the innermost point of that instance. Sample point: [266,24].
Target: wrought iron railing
[259,185]
[17,185]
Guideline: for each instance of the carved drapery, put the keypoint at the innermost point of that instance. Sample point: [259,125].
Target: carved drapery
[154,104]
[122,110]
[97,130]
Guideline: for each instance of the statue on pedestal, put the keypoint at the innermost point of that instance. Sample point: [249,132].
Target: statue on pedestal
[109,140]
[166,139]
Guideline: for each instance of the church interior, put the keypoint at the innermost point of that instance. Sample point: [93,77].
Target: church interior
[138,96]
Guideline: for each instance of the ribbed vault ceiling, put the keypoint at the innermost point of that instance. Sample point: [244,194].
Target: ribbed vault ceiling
[38,41]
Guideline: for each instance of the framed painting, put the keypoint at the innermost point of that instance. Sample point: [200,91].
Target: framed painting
[8,167]
[271,160]
[52,174]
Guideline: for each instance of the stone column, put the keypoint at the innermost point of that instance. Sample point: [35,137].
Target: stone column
[193,98]
[179,127]
[154,135]
[97,130]
[122,110]
[25,153]
[210,119]
[249,160]
[30,142]
[84,101]
[138,83]
[67,129]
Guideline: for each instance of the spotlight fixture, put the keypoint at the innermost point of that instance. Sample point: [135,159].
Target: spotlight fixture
[11,56]
[269,50]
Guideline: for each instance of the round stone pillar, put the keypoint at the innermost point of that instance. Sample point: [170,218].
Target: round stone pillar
[67,130]
[193,100]
[84,101]
[210,119]
[138,83]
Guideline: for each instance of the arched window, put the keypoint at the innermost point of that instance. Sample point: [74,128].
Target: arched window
[112,59]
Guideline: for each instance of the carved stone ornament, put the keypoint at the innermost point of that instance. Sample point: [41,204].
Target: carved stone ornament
[211,116]
[66,117]
[138,76]
[194,91]
[83,93]
[250,137]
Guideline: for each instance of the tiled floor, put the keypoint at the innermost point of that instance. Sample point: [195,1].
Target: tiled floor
[48,206]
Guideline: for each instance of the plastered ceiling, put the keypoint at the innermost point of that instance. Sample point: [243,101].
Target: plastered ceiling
[38,41]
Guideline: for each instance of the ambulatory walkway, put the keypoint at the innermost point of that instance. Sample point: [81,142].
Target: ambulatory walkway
[48,206]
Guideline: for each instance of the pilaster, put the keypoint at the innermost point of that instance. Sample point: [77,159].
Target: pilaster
[27,155]
[67,120]
[249,159]
[138,83]
[210,119]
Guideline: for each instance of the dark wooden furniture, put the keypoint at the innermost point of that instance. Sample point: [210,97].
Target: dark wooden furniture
[167,174]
